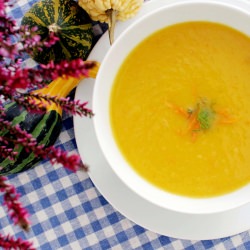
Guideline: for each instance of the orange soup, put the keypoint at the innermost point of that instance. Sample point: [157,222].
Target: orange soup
[180,109]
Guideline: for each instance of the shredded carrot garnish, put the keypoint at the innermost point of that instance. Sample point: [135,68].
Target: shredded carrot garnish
[177,109]
[193,123]
[201,117]
[225,117]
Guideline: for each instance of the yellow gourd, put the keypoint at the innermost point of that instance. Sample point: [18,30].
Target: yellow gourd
[109,11]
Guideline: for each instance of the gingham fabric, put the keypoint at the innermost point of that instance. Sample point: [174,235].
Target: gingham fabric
[68,212]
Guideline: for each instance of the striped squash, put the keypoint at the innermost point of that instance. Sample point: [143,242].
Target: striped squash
[44,127]
[71,24]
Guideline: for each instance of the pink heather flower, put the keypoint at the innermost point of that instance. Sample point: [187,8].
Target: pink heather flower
[5,151]
[17,213]
[29,103]
[80,109]
[75,68]
[75,107]
[51,40]
[32,41]
[19,79]
[9,243]
[71,162]
[13,78]
[2,7]
[4,52]
[71,106]
[8,49]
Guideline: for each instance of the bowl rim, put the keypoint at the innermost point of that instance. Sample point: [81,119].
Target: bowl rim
[132,180]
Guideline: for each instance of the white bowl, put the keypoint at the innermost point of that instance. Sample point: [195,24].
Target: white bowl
[181,11]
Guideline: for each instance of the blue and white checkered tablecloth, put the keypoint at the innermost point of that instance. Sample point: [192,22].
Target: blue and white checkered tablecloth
[68,212]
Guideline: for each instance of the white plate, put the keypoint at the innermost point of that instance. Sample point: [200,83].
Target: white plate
[143,213]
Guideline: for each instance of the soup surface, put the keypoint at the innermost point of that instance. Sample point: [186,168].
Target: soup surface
[180,109]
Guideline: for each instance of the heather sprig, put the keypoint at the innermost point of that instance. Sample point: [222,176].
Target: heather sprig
[71,162]
[12,78]
[75,107]
[17,213]
[5,150]
[30,104]
[9,243]
[74,68]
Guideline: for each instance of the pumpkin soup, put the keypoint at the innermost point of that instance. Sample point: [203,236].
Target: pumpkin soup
[180,109]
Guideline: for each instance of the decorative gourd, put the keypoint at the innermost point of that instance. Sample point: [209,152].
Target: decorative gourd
[109,11]
[68,21]
[44,127]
